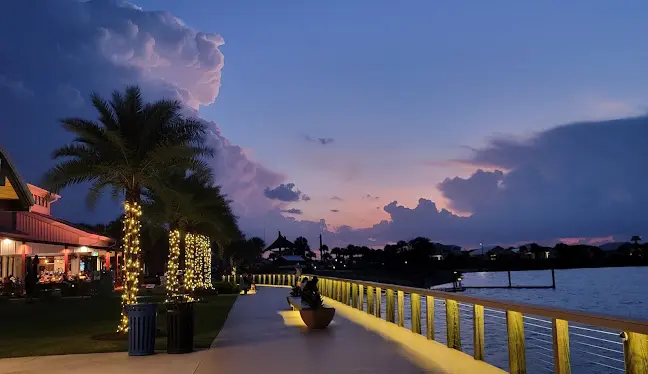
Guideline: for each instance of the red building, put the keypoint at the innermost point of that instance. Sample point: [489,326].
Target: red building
[27,229]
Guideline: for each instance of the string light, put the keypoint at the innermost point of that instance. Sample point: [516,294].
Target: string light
[199,264]
[172,284]
[207,263]
[131,246]
[190,263]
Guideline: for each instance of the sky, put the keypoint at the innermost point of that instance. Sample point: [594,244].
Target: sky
[466,122]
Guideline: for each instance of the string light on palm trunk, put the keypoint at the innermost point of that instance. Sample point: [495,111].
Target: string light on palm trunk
[190,263]
[172,285]
[199,258]
[131,246]
[207,262]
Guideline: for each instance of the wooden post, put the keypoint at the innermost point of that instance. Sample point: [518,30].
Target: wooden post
[415,306]
[264,279]
[635,353]
[378,302]
[553,279]
[354,295]
[401,308]
[516,347]
[390,311]
[371,303]
[560,332]
[478,332]
[283,279]
[429,317]
[453,326]
[361,297]
[509,278]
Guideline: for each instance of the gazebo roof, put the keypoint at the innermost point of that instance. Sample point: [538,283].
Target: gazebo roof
[280,243]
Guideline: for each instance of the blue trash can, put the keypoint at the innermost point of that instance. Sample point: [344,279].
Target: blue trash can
[141,329]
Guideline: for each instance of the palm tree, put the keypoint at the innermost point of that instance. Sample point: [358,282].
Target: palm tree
[192,208]
[129,150]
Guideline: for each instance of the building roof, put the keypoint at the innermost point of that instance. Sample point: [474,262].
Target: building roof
[9,171]
[293,258]
[280,243]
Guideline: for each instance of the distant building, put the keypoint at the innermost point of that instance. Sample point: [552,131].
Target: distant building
[27,229]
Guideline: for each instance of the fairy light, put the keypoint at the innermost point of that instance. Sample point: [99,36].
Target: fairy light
[199,274]
[208,264]
[131,247]
[190,263]
[172,285]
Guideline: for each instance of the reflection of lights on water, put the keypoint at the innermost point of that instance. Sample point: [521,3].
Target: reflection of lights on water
[481,274]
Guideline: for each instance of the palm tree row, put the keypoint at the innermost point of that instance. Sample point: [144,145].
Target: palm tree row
[155,159]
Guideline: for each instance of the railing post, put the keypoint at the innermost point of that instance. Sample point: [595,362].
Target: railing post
[361,297]
[378,302]
[429,317]
[560,333]
[347,291]
[371,304]
[415,305]
[478,332]
[283,279]
[516,346]
[401,308]
[354,295]
[338,290]
[635,352]
[264,279]
[390,310]
[453,326]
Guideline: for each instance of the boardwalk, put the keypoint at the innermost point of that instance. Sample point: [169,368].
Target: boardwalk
[261,335]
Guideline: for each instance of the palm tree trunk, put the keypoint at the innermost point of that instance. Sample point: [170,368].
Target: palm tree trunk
[172,284]
[132,216]
[190,262]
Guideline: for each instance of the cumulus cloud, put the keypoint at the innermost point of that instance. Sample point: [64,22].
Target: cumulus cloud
[69,49]
[576,180]
[322,141]
[285,192]
[306,197]
[292,211]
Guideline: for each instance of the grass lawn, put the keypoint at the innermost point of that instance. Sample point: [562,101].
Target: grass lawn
[68,326]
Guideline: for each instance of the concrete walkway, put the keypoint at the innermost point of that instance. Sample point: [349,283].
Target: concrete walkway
[261,335]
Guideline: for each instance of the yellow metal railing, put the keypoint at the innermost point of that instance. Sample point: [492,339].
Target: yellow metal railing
[631,334]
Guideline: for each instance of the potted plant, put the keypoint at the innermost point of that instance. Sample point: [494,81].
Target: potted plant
[315,315]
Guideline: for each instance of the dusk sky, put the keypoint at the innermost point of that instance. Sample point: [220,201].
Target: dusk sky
[363,120]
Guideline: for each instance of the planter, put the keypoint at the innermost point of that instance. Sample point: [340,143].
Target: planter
[317,319]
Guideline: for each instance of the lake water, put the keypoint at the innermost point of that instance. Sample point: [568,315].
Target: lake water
[610,291]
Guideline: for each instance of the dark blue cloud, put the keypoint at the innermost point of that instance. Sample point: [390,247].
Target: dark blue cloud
[284,192]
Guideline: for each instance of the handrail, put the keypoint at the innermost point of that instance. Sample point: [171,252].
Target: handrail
[610,322]
[633,333]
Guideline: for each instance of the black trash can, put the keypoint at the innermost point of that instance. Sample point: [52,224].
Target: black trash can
[141,329]
[180,327]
